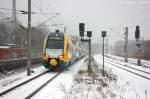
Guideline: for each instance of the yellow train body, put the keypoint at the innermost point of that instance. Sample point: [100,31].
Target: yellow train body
[60,57]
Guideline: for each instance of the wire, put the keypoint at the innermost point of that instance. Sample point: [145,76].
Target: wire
[34,5]
[46,21]
[41,10]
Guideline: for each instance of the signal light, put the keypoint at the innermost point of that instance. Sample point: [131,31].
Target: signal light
[137,32]
[81,29]
[57,31]
[89,33]
[103,33]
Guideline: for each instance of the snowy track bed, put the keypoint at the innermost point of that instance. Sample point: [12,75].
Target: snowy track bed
[48,83]
[20,84]
[134,67]
[137,87]
[135,71]
[58,87]
[30,87]
[145,63]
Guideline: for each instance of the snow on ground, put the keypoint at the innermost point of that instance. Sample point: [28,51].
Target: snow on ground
[128,66]
[58,87]
[144,63]
[6,74]
[23,91]
[75,83]
[133,86]
[13,80]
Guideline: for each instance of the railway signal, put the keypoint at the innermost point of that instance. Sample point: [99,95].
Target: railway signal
[138,44]
[81,29]
[89,35]
[103,36]
[137,32]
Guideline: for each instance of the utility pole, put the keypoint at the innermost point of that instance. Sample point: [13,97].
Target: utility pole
[14,16]
[29,40]
[138,44]
[126,44]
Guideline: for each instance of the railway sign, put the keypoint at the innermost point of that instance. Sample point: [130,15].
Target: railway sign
[103,33]
[137,32]
[81,29]
[89,33]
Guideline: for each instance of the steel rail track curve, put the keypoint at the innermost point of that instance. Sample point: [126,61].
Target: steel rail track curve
[18,85]
[129,71]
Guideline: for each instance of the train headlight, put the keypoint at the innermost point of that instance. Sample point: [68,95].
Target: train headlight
[45,58]
[60,56]
[53,62]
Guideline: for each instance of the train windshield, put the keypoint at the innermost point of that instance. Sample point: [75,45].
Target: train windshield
[55,44]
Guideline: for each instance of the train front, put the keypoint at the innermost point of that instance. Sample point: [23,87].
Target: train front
[54,51]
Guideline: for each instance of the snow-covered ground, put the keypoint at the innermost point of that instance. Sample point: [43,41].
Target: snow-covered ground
[58,87]
[75,83]
[15,79]
[53,90]
[134,87]
[144,63]
[134,66]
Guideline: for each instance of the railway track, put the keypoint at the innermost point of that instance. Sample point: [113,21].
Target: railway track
[31,87]
[42,86]
[130,67]
[131,70]
[47,76]
[21,84]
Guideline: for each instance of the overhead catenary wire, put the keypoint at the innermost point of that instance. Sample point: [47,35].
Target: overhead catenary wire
[41,10]
[46,21]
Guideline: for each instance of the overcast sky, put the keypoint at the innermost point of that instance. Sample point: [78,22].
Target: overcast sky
[98,15]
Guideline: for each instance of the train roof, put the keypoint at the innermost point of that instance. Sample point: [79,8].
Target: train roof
[53,33]
[56,35]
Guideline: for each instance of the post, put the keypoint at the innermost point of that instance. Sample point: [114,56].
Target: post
[126,45]
[139,53]
[29,40]
[103,35]
[89,35]
[107,47]
[103,56]
[89,65]
[65,29]
[14,17]
[138,43]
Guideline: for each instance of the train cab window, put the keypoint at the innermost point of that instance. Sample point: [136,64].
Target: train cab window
[55,44]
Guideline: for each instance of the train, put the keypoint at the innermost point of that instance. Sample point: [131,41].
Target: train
[10,51]
[60,50]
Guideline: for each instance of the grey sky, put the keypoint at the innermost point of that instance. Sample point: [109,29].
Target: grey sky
[109,15]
